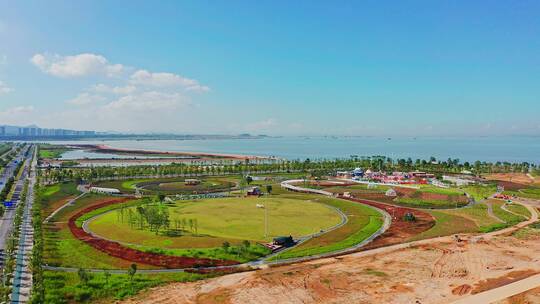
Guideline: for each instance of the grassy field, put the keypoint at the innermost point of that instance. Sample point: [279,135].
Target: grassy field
[56,195]
[439,190]
[480,192]
[238,252]
[358,187]
[64,287]
[478,213]
[509,218]
[51,151]
[412,198]
[231,219]
[170,185]
[363,222]
[532,230]
[4,148]
[429,204]
[519,209]
[447,223]
[530,192]
[474,218]
[61,248]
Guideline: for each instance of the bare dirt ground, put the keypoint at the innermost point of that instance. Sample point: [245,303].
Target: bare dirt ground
[439,272]
[520,178]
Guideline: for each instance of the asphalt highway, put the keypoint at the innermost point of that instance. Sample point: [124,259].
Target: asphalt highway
[6,221]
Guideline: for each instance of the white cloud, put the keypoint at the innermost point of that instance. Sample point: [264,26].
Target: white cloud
[121,103]
[147,101]
[146,78]
[17,110]
[76,65]
[19,115]
[84,99]
[4,89]
[119,90]
[3,60]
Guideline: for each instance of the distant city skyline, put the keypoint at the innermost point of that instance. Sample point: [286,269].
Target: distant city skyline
[280,68]
[35,131]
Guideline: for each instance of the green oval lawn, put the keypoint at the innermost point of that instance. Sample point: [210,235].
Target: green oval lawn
[226,219]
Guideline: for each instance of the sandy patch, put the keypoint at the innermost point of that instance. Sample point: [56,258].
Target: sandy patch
[434,273]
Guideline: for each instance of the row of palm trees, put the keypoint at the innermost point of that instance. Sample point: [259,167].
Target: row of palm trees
[315,167]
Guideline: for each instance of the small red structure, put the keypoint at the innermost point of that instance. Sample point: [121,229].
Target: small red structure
[502,196]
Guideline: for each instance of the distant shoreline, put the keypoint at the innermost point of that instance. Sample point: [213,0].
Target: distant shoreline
[160,157]
[142,152]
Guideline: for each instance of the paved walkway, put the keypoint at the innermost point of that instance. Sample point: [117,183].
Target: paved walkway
[503,292]
[70,202]
[491,214]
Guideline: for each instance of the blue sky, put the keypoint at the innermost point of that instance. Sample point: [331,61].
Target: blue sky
[395,68]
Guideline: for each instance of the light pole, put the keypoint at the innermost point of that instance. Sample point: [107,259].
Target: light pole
[265,221]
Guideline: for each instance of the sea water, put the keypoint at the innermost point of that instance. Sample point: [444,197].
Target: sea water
[492,149]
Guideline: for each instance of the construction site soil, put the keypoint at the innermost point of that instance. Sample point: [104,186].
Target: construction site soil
[439,272]
[520,178]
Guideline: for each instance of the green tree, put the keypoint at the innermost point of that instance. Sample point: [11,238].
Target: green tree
[132,271]
[107,275]
[226,245]
[84,277]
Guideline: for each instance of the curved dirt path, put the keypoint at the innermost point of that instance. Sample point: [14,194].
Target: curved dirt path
[503,207]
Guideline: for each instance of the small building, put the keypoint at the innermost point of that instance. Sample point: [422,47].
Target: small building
[347,194]
[458,180]
[255,191]
[358,172]
[391,193]
[192,182]
[438,183]
[285,241]
[421,174]
[104,190]
[343,174]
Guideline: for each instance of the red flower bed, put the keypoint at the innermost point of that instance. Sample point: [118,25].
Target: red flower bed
[443,197]
[511,185]
[429,196]
[117,250]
